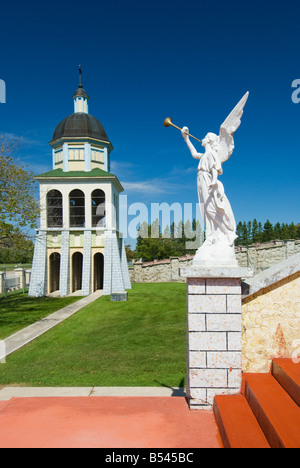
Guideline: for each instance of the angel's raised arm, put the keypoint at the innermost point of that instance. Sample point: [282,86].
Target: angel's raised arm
[191,147]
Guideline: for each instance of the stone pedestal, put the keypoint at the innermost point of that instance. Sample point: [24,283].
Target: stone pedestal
[119,297]
[214,332]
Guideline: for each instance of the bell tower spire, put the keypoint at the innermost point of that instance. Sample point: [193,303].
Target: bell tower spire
[80,83]
[80,97]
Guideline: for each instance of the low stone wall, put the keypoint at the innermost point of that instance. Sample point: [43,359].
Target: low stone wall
[159,271]
[271,315]
[14,280]
[271,324]
[258,257]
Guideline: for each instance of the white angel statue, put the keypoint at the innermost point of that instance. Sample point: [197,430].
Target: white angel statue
[218,218]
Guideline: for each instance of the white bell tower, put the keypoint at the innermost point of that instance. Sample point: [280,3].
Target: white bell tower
[79,248]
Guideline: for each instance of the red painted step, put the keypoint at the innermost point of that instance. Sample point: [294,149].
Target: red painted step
[287,373]
[276,412]
[237,424]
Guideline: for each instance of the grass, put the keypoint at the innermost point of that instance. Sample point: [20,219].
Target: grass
[141,342]
[12,266]
[18,311]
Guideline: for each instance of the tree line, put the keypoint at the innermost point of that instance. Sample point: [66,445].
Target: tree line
[175,241]
[181,239]
[253,232]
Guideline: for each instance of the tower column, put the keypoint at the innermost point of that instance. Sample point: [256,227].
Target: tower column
[65,157]
[87,265]
[64,286]
[105,160]
[38,280]
[66,210]
[87,157]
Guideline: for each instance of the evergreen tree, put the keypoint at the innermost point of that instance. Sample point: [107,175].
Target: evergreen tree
[249,232]
[254,232]
[188,234]
[155,229]
[239,233]
[277,231]
[260,233]
[284,231]
[292,231]
[245,239]
[172,230]
[167,233]
[268,231]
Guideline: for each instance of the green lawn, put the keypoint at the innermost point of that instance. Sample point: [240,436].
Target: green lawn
[141,342]
[18,311]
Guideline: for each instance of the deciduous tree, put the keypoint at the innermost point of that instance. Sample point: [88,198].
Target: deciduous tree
[18,203]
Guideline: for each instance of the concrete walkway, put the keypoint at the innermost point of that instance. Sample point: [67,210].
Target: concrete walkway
[6,393]
[106,422]
[23,337]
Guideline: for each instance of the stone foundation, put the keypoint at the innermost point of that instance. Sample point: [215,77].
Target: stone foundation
[214,333]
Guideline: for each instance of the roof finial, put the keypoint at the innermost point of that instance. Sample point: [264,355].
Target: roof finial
[80,84]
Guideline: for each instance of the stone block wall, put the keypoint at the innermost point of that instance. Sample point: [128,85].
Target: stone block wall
[271,316]
[214,333]
[258,257]
[214,337]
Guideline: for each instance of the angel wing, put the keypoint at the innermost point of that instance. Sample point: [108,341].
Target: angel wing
[227,129]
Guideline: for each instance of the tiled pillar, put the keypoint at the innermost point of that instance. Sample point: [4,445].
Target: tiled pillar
[87,264]
[38,281]
[107,264]
[124,264]
[214,333]
[64,277]
[113,278]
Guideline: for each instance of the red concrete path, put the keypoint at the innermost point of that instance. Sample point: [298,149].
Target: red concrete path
[109,422]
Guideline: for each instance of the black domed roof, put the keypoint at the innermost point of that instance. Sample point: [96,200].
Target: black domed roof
[78,125]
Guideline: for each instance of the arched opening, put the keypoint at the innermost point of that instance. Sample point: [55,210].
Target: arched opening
[77,210]
[77,260]
[54,271]
[98,208]
[98,271]
[54,209]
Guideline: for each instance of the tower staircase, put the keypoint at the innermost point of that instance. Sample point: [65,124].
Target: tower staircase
[266,414]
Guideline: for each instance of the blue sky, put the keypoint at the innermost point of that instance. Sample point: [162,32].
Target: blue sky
[144,61]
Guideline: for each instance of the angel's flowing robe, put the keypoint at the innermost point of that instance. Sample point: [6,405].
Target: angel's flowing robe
[215,208]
